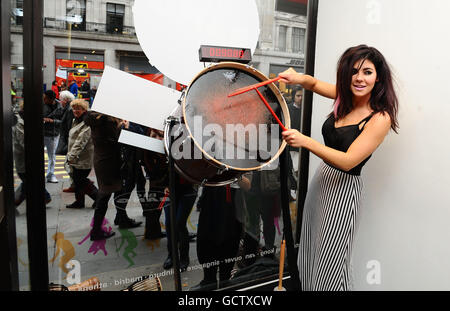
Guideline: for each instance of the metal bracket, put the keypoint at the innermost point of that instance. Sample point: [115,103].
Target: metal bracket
[182,96]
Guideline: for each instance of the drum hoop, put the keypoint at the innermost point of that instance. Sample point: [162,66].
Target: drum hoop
[273,88]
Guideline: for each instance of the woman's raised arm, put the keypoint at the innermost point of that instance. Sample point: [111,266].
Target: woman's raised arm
[310,83]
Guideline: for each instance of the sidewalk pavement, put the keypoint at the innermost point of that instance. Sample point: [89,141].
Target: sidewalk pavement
[117,263]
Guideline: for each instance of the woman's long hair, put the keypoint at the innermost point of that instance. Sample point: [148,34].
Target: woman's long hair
[383,98]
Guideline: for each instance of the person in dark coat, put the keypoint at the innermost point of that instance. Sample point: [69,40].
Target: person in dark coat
[105,132]
[157,168]
[131,173]
[295,114]
[219,232]
[18,139]
[52,113]
[186,194]
[65,98]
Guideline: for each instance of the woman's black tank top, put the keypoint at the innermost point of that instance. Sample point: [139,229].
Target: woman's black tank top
[340,138]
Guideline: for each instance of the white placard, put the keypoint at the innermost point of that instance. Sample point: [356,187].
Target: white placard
[131,98]
[60,73]
[141,141]
[170,32]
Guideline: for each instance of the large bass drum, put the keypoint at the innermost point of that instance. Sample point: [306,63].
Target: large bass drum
[218,138]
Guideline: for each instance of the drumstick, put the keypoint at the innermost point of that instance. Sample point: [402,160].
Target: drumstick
[280,282]
[254,86]
[162,202]
[270,109]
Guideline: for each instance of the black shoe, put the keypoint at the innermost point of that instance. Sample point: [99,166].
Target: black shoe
[102,235]
[168,263]
[126,223]
[75,204]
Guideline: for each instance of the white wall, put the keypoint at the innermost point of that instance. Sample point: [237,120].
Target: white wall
[405,217]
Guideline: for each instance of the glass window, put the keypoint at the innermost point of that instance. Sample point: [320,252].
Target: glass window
[298,40]
[282,38]
[17,13]
[75,62]
[114,17]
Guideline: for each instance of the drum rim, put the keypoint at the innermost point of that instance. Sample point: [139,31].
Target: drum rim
[273,88]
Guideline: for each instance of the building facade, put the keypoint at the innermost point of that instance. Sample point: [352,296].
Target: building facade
[281,42]
[83,36]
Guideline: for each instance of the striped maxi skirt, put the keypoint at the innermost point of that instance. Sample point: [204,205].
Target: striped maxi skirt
[330,218]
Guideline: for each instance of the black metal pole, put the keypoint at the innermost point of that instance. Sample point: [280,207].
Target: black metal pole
[173,180]
[9,274]
[287,225]
[34,144]
[306,112]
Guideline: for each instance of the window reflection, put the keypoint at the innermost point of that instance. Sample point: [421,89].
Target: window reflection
[233,232]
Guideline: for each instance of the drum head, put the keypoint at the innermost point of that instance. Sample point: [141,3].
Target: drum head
[235,132]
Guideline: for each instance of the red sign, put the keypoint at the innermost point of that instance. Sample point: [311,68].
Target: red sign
[79,73]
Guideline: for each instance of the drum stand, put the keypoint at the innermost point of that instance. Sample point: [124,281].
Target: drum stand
[287,226]
[173,181]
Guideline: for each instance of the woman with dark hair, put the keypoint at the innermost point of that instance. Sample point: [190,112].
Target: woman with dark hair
[365,110]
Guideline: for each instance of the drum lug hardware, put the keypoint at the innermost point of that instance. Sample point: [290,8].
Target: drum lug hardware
[169,119]
[221,170]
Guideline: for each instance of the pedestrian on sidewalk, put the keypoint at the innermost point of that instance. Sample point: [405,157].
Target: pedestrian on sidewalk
[80,154]
[18,138]
[65,98]
[105,132]
[157,167]
[55,89]
[186,194]
[132,177]
[52,122]
[73,87]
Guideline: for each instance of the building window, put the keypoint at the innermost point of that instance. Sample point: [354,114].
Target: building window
[18,13]
[114,17]
[76,14]
[298,40]
[282,38]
